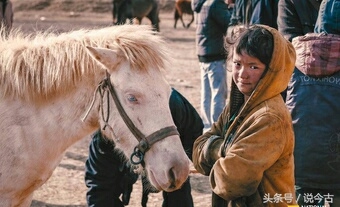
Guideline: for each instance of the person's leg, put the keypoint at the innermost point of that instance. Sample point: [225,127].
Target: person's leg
[165,199]
[205,96]
[218,84]
[179,198]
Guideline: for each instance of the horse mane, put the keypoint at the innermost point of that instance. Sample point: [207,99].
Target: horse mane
[40,65]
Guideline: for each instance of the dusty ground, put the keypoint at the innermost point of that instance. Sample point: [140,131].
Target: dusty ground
[66,187]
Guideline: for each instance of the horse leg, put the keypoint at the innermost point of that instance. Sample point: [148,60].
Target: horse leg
[176,18]
[145,193]
[181,18]
[180,9]
[145,198]
[122,10]
[18,201]
[153,16]
[27,201]
[114,12]
[192,20]
[139,19]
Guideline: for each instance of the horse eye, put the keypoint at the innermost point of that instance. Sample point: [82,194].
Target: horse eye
[132,98]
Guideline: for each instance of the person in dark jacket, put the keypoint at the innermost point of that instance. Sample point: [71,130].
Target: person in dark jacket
[296,17]
[212,20]
[248,12]
[313,98]
[329,17]
[108,174]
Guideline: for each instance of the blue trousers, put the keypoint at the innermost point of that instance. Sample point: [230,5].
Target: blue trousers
[213,91]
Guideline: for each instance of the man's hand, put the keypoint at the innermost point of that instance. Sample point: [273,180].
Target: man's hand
[127,181]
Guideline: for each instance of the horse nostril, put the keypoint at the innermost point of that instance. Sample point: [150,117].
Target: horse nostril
[172,178]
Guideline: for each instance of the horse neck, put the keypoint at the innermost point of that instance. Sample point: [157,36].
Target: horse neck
[73,107]
[64,112]
[42,132]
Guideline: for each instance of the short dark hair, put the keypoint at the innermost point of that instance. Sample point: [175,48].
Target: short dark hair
[255,41]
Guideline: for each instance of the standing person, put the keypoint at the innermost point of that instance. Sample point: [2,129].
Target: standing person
[313,98]
[248,153]
[328,20]
[212,20]
[265,12]
[6,16]
[108,175]
[248,12]
[296,17]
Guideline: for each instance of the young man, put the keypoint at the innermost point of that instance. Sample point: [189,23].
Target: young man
[212,21]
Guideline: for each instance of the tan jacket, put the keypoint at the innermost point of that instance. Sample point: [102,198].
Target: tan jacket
[258,163]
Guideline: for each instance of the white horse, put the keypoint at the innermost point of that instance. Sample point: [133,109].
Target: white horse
[48,82]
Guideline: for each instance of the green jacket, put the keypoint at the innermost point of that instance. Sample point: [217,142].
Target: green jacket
[257,162]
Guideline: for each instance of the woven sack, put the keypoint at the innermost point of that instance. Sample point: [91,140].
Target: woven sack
[317,54]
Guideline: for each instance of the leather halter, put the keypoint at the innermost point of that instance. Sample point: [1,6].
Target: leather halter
[145,143]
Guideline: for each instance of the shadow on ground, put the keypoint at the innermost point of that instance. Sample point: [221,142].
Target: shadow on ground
[36,203]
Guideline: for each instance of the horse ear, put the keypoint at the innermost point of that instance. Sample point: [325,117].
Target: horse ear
[106,57]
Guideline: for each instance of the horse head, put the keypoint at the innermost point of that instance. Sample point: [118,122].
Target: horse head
[135,113]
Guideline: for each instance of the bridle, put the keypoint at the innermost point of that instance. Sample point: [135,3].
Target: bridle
[105,87]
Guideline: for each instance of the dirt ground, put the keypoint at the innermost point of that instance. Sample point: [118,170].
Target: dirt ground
[66,187]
